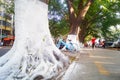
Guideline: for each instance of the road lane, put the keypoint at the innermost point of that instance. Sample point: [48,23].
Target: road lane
[4,50]
[101,69]
[107,62]
[97,64]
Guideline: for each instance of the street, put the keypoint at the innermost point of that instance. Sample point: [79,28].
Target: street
[3,50]
[95,64]
[91,64]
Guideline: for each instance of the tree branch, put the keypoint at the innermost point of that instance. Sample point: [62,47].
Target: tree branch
[83,12]
[71,10]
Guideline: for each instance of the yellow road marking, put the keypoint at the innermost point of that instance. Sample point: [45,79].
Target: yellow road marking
[101,69]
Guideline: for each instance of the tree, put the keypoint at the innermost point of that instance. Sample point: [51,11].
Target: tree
[98,16]
[57,20]
[58,28]
[101,16]
[77,10]
[8,6]
[77,16]
[114,35]
[33,54]
[91,16]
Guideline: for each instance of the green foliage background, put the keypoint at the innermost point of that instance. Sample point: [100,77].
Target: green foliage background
[99,18]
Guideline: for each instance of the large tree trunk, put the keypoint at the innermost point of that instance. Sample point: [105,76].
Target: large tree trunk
[33,53]
[83,31]
[76,19]
[72,18]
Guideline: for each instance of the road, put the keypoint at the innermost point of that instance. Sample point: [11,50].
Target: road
[3,50]
[97,64]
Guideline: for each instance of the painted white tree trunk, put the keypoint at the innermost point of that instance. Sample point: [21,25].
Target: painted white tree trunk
[71,38]
[33,53]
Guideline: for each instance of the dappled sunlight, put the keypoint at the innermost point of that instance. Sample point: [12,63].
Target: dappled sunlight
[100,57]
[71,10]
[100,62]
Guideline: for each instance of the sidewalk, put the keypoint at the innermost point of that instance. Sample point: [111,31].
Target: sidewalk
[78,68]
[75,56]
[94,64]
[82,66]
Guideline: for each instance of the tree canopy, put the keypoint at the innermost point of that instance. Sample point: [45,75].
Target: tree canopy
[8,6]
[58,18]
[101,15]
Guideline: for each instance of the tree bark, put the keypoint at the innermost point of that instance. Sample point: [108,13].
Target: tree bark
[76,19]
[72,18]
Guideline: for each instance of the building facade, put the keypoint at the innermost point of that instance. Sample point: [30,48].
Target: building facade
[5,24]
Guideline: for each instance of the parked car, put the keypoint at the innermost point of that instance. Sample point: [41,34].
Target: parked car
[108,44]
[116,43]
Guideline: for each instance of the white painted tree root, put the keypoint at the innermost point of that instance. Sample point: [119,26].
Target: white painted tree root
[34,54]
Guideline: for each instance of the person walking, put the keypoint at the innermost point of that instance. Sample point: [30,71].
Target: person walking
[93,42]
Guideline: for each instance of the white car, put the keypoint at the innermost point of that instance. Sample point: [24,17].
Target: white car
[116,43]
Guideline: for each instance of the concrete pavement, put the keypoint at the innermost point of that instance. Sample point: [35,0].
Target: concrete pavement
[95,64]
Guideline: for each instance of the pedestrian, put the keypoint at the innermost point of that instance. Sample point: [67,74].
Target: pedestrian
[93,42]
[103,44]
